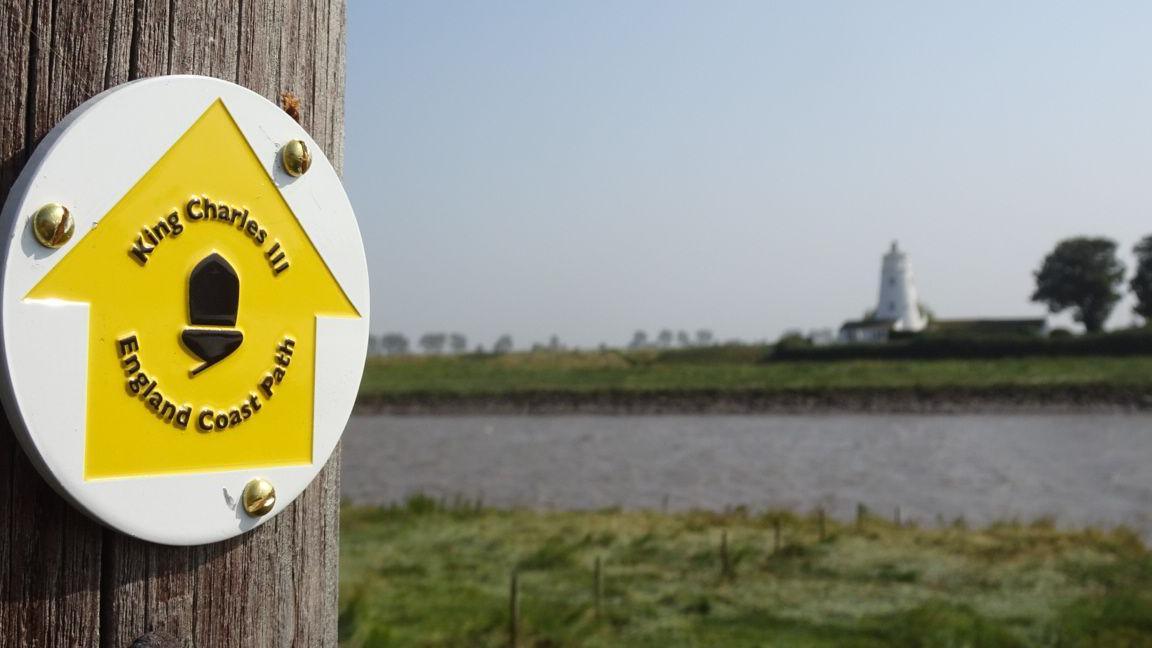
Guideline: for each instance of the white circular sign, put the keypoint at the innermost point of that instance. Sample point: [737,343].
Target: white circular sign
[201,328]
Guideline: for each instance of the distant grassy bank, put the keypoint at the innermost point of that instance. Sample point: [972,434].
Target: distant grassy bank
[741,379]
[427,574]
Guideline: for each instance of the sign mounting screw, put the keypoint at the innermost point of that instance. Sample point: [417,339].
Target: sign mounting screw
[296,158]
[259,497]
[53,225]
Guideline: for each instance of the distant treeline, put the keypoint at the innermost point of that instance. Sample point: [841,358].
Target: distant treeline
[436,343]
[928,347]
[431,343]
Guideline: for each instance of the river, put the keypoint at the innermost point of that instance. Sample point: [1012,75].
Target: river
[1079,469]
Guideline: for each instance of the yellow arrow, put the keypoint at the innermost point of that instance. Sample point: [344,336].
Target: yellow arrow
[147,410]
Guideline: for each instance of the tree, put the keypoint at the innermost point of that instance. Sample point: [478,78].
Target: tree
[1141,283]
[664,338]
[792,338]
[639,340]
[554,343]
[394,343]
[704,337]
[1082,274]
[683,339]
[433,342]
[458,342]
[503,344]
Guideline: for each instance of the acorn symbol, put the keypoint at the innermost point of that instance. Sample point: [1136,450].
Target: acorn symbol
[213,301]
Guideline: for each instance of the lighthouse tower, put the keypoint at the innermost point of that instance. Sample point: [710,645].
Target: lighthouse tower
[899,302]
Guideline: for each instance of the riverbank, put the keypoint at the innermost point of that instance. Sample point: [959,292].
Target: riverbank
[432,573]
[1007,399]
[741,382]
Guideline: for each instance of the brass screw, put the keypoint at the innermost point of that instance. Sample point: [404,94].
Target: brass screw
[53,225]
[296,158]
[259,497]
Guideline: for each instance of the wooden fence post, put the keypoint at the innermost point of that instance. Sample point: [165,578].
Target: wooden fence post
[66,581]
[598,587]
[726,571]
[514,610]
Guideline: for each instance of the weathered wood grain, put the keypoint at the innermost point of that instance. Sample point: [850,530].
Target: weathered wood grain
[64,580]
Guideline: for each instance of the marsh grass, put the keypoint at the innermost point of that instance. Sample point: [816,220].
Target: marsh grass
[729,369]
[431,573]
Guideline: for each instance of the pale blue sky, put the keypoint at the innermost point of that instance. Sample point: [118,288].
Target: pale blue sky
[589,168]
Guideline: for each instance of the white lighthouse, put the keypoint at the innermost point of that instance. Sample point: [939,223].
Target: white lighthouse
[899,310]
[899,303]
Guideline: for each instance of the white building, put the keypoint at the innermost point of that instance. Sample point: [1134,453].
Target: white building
[899,302]
[899,305]
[899,311]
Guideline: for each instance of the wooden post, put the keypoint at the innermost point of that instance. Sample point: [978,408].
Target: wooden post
[598,587]
[67,581]
[726,571]
[514,611]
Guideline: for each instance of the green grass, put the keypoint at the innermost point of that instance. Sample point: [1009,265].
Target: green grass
[736,369]
[426,574]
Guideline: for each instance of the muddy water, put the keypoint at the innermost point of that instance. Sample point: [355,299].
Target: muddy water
[1080,469]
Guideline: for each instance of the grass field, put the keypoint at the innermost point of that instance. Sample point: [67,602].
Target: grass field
[735,369]
[430,574]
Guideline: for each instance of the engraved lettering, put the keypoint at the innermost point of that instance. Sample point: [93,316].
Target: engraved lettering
[140,251]
[158,402]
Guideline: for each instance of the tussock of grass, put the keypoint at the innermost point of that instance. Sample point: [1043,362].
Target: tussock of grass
[432,573]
